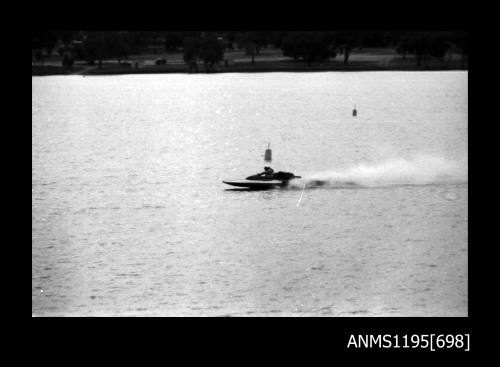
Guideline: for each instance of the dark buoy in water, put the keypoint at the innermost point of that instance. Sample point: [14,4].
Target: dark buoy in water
[354,111]
[268,155]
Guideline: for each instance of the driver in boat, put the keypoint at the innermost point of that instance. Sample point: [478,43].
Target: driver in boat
[268,172]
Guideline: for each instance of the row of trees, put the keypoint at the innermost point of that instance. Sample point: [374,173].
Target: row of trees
[317,46]
[208,47]
[434,44]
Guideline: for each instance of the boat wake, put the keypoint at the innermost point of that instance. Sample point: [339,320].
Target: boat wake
[419,170]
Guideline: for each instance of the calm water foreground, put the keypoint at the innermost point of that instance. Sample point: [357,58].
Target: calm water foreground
[130,217]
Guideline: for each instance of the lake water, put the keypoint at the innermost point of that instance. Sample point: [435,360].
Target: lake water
[130,216]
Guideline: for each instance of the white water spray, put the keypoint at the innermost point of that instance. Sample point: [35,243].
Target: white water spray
[418,170]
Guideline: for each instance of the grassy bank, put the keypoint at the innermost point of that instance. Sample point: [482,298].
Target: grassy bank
[40,70]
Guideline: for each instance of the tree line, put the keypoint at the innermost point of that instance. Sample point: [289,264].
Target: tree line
[207,48]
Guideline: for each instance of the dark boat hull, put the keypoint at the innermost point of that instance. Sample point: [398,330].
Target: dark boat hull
[255,184]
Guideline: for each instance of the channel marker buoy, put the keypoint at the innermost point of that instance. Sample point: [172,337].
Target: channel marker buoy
[268,155]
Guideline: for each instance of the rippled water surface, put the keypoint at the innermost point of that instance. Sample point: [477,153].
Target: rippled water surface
[130,217]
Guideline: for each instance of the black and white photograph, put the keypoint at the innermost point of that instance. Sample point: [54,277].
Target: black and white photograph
[250,173]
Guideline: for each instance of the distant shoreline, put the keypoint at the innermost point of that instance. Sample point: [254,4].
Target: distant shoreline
[268,60]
